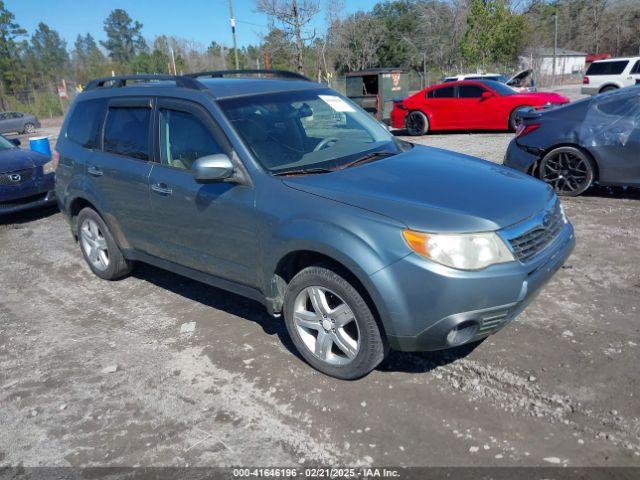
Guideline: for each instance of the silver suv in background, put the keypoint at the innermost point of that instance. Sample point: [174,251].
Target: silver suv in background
[611,74]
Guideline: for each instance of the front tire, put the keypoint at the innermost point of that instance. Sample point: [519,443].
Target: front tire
[331,325]
[29,128]
[417,124]
[514,120]
[569,170]
[99,249]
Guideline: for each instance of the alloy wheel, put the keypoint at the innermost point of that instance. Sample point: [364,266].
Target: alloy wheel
[326,325]
[416,124]
[29,128]
[94,244]
[568,172]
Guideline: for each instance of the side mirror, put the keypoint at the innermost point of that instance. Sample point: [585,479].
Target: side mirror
[486,95]
[212,168]
[16,142]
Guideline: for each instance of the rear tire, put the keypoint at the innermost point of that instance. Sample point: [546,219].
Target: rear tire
[417,123]
[29,128]
[99,249]
[331,325]
[568,170]
[610,88]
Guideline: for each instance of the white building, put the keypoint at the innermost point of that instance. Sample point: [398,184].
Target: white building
[568,62]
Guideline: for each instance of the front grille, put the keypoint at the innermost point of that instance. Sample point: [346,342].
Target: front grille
[23,201]
[16,178]
[532,242]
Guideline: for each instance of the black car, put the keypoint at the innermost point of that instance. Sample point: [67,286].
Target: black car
[595,140]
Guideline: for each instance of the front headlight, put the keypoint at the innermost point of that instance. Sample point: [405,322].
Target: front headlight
[468,251]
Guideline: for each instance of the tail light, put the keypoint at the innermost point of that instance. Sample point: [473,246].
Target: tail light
[585,80]
[399,105]
[523,129]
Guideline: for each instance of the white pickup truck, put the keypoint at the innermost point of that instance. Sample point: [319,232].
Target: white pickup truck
[611,74]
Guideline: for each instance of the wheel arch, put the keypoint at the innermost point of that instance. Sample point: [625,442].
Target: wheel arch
[295,261]
[608,85]
[81,201]
[426,113]
[512,111]
[596,172]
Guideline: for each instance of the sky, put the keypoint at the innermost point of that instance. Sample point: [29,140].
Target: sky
[201,20]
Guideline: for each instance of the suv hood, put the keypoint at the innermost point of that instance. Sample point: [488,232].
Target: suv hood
[435,190]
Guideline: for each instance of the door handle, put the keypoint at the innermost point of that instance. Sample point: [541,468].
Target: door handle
[161,188]
[96,172]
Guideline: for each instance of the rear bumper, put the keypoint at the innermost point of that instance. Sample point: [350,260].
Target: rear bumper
[588,90]
[426,301]
[397,117]
[518,158]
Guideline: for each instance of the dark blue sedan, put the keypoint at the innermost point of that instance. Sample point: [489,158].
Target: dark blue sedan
[26,178]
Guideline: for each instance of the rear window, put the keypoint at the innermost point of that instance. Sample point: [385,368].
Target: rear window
[85,122]
[470,91]
[126,132]
[607,68]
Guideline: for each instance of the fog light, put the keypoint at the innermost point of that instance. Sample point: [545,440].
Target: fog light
[462,333]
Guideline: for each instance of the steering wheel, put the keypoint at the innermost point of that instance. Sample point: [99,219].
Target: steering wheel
[325,143]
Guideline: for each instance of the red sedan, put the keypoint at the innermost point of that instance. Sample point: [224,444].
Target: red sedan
[466,105]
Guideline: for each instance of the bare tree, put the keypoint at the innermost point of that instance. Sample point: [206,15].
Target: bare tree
[294,17]
[358,39]
[440,29]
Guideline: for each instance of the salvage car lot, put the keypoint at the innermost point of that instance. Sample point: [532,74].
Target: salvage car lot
[97,373]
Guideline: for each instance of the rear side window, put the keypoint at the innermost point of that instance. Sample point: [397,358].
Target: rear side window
[636,67]
[607,68]
[85,122]
[445,92]
[126,132]
[470,91]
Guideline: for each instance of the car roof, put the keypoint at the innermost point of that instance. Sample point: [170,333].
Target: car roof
[481,81]
[220,88]
[619,59]
[236,87]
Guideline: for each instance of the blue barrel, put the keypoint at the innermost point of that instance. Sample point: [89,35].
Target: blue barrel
[40,145]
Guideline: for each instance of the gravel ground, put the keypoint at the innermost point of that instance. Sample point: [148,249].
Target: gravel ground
[559,386]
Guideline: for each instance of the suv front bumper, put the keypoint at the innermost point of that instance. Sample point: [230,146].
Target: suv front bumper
[425,302]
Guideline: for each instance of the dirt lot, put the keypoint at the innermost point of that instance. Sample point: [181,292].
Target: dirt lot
[557,387]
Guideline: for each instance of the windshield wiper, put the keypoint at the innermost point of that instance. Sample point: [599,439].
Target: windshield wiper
[303,171]
[367,158]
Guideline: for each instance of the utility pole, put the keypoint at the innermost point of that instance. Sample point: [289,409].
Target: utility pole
[233,33]
[555,46]
[173,61]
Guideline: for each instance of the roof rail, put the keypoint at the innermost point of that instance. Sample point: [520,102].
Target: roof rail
[121,81]
[230,73]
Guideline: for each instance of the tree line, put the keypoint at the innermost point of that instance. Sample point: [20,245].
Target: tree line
[439,36]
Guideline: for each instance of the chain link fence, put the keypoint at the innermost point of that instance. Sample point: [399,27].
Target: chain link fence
[47,102]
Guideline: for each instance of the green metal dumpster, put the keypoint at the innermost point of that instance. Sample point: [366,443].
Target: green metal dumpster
[375,89]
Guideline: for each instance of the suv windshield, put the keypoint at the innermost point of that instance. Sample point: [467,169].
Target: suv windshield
[310,131]
[5,144]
